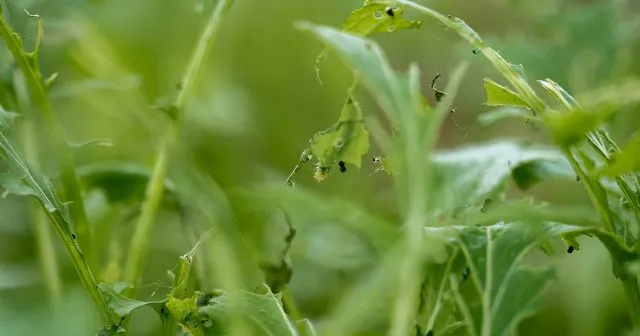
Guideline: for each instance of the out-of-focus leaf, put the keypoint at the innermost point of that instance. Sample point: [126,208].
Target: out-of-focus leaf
[263,313]
[6,119]
[503,113]
[122,305]
[121,181]
[378,16]
[570,126]
[627,161]
[498,95]
[477,172]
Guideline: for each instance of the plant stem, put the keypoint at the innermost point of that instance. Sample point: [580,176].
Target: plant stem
[29,66]
[155,188]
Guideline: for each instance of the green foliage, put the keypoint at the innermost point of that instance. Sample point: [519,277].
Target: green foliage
[441,248]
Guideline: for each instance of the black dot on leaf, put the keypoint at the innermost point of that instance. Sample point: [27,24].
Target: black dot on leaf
[475,51]
[578,178]
[342,167]
[73,236]
[570,249]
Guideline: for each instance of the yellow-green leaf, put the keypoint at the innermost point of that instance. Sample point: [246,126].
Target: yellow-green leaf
[498,95]
[378,16]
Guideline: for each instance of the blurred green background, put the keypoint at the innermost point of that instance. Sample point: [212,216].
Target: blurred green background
[257,104]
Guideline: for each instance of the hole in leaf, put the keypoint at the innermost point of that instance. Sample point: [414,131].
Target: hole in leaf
[390,12]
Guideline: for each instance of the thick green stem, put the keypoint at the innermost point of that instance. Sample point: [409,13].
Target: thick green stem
[155,188]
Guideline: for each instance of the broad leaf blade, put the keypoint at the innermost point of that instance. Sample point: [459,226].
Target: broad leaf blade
[480,171]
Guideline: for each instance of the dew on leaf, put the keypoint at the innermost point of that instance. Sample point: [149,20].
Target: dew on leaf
[391,28]
[377,15]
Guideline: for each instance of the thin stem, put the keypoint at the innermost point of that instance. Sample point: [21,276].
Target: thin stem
[155,188]
[29,67]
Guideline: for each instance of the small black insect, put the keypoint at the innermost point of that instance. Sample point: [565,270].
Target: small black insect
[390,12]
[73,236]
[578,178]
[342,166]
[570,249]
[475,51]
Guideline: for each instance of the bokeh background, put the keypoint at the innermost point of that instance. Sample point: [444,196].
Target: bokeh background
[257,103]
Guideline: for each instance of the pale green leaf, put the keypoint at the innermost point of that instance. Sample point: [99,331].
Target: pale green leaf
[185,312]
[378,16]
[262,312]
[7,119]
[477,172]
[498,95]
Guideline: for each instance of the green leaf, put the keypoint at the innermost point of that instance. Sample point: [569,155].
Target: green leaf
[391,91]
[570,126]
[378,16]
[122,305]
[121,181]
[347,140]
[498,95]
[480,171]
[508,291]
[263,313]
[627,161]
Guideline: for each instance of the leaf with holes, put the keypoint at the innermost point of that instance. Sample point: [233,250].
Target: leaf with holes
[347,140]
[378,16]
